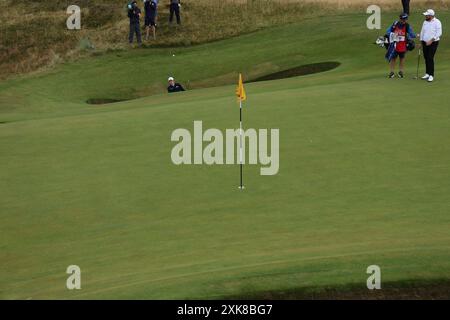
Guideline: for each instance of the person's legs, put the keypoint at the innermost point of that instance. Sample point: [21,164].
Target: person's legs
[147,32]
[392,64]
[405,4]
[402,64]
[172,11]
[138,33]
[426,50]
[131,35]
[177,13]
[153,23]
[431,53]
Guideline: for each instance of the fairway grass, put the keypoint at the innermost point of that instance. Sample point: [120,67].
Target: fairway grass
[364,172]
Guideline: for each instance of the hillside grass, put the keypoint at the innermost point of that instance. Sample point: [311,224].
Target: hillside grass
[364,179]
[34,35]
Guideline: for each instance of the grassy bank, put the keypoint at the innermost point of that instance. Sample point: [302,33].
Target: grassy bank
[34,35]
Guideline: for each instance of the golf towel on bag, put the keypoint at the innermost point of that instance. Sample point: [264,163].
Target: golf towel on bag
[390,54]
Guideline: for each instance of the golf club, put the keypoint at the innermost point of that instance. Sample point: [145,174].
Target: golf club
[418,65]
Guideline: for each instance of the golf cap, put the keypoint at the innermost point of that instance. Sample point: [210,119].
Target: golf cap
[171,79]
[404,16]
[429,12]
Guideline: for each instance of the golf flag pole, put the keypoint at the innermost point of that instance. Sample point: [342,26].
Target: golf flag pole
[241,185]
[240,92]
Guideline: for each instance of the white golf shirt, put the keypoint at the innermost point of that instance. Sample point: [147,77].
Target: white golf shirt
[431,30]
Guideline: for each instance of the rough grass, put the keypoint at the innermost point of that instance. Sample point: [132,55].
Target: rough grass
[34,36]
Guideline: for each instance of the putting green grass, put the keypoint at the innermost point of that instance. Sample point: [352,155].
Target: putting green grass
[364,171]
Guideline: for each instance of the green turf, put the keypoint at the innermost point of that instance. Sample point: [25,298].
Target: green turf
[364,172]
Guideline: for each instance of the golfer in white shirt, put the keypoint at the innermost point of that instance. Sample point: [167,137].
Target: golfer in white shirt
[429,36]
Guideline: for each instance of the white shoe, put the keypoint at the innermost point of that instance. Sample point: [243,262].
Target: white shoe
[426,76]
[430,79]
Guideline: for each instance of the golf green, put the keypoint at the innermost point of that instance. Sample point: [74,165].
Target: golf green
[364,173]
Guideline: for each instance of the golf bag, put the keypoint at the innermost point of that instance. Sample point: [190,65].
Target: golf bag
[382,42]
[391,52]
[411,45]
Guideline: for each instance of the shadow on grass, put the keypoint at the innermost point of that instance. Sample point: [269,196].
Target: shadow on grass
[300,71]
[103,101]
[437,289]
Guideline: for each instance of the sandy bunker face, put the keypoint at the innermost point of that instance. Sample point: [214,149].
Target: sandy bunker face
[289,73]
[100,101]
[300,71]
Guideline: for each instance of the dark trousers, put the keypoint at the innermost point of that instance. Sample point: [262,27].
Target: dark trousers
[135,28]
[175,9]
[405,4]
[428,54]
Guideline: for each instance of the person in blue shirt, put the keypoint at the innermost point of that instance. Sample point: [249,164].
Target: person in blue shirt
[399,34]
[150,7]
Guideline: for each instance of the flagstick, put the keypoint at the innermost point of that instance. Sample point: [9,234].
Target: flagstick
[240,144]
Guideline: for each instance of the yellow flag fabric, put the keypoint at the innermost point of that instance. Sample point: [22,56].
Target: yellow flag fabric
[240,91]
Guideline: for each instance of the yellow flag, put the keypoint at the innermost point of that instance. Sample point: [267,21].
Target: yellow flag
[240,91]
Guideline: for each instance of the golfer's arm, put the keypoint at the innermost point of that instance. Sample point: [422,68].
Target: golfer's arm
[438,32]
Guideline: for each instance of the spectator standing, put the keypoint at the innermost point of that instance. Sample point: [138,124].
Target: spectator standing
[175,6]
[405,4]
[150,7]
[134,13]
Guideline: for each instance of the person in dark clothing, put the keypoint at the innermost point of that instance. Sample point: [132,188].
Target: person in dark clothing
[175,9]
[405,4]
[134,13]
[174,86]
[150,7]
